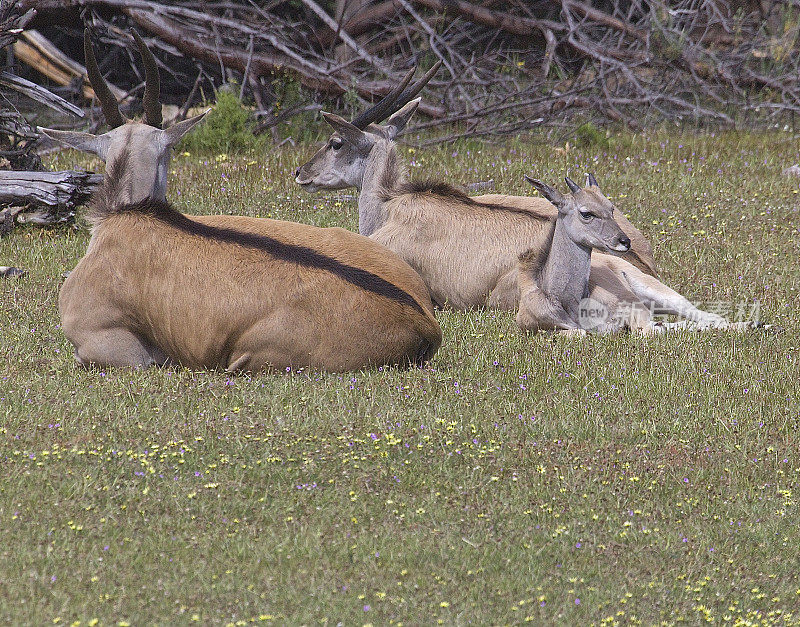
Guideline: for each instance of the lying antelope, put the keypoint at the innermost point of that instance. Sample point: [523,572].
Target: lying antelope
[465,248]
[157,286]
[563,287]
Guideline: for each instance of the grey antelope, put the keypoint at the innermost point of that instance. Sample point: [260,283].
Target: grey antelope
[465,248]
[564,287]
[157,286]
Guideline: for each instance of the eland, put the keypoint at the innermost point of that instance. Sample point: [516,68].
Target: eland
[157,286]
[563,287]
[465,248]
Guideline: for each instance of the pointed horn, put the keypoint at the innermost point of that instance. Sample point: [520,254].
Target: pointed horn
[412,91]
[590,180]
[152,84]
[108,103]
[380,110]
[573,187]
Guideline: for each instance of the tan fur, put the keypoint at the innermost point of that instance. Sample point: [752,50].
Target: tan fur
[226,292]
[459,251]
[467,254]
[466,249]
[614,286]
[148,293]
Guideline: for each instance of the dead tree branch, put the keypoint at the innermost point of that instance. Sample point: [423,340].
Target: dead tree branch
[507,63]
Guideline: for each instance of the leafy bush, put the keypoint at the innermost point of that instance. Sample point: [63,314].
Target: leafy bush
[588,135]
[227,128]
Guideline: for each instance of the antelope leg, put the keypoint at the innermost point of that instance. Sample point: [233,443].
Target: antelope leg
[505,295]
[658,297]
[118,347]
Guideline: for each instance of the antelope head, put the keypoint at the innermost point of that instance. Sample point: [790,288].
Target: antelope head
[148,145]
[341,162]
[586,215]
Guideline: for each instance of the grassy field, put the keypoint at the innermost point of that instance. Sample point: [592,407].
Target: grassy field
[605,480]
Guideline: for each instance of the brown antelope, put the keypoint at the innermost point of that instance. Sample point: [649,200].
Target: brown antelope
[562,288]
[239,293]
[465,248]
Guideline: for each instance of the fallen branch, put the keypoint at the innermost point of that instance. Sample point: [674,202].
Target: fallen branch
[13,20]
[261,64]
[37,51]
[40,94]
[58,191]
[496,19]
[349,41]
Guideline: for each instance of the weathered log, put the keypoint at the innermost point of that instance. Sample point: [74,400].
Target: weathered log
[59,191]
[40,94]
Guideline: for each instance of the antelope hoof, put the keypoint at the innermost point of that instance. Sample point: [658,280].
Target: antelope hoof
[653,328]
[710,321]
[240,363]
[573,332]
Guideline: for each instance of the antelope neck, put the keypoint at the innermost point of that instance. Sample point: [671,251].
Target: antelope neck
[382,174]
[565,274]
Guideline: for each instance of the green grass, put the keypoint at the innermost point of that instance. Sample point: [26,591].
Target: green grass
[559,480]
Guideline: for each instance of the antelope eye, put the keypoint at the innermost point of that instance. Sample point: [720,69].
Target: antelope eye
[586,215]
[336,143]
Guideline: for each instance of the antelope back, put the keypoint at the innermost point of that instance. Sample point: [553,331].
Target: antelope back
[293,294]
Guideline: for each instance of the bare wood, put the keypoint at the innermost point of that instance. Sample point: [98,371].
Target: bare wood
[40,94]
[496,19]
[361,22]
[52,189]
[320,12]
[32,57]
[604,18]
[262,63]
[15,23]
[38,52]
[623,61]
[45,46]
[269,120]
[549,52]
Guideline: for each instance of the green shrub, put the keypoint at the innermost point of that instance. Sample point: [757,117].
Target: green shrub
[227,128]
[588,135]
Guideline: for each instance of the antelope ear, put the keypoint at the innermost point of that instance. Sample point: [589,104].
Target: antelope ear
[85,142]
[174,133]
[398,120]
[553,195]
[349,133]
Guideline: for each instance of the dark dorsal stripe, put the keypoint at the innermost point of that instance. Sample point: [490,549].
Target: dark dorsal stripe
[446,191]
[290,253]
[105,204]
